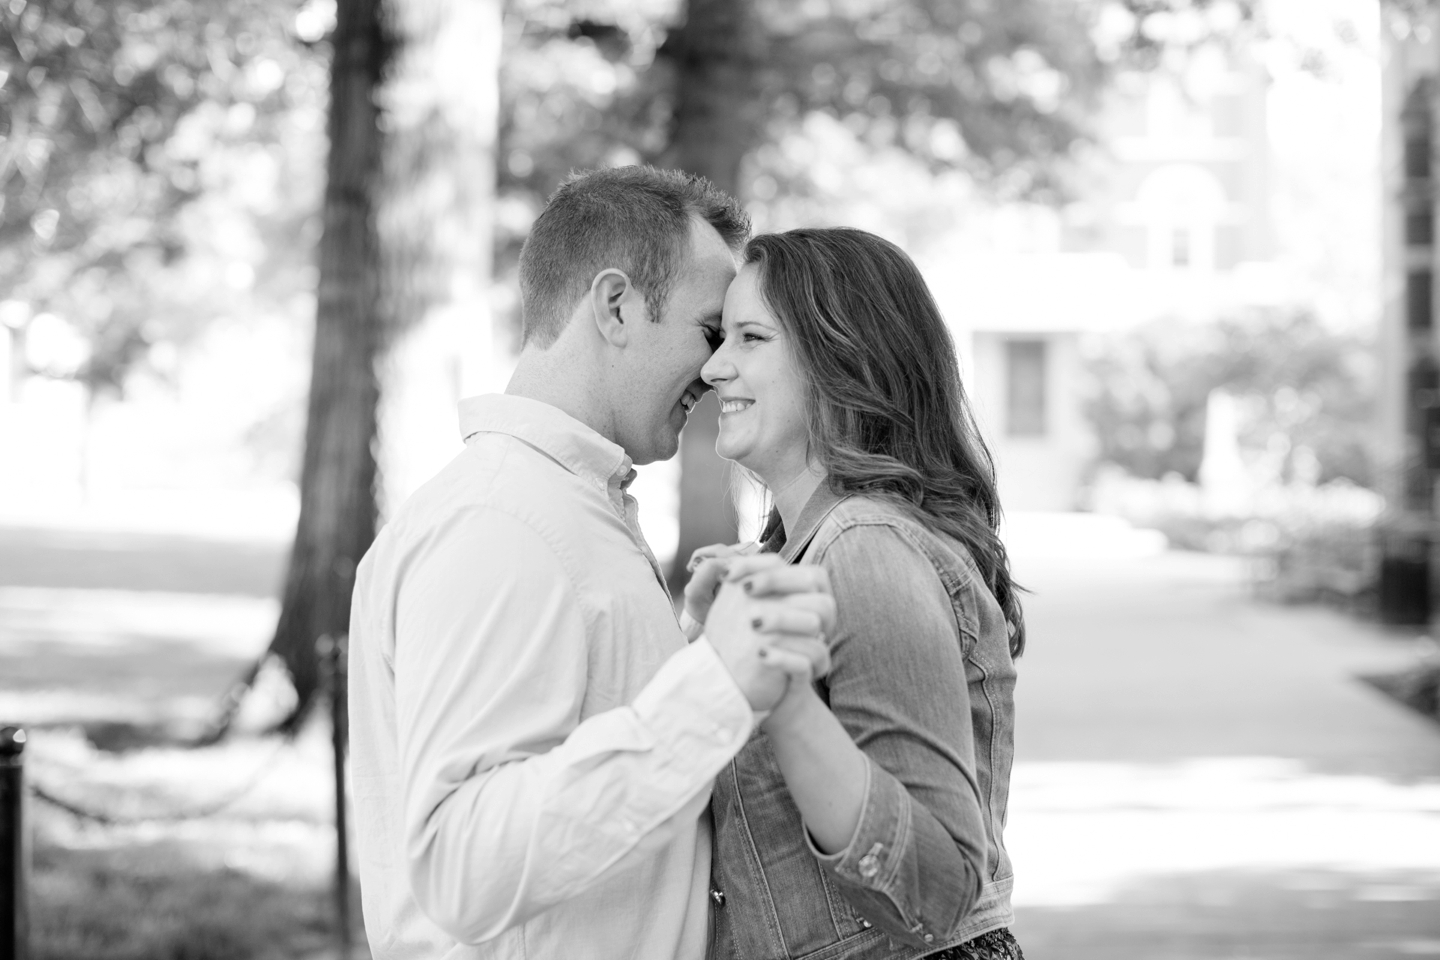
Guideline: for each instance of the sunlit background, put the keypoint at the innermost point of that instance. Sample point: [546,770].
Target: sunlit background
[1186,251]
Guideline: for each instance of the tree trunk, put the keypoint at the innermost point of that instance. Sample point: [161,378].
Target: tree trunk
[337,481]
[717,54]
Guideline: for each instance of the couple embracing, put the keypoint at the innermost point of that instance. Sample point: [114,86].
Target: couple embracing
[813,761]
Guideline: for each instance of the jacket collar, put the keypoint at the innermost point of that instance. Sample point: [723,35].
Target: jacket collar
[550,430]
[817,508]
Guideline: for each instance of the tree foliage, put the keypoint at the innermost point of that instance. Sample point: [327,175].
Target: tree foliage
[152,154]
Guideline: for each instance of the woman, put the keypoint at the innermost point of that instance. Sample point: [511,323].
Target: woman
[867,821]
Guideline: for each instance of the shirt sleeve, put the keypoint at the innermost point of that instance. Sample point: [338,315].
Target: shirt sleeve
[511,803]
[916,862]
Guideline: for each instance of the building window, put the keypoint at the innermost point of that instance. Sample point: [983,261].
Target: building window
[1025,369]
[1419,299]
[1180,248]
[1419,228]
[1417,156]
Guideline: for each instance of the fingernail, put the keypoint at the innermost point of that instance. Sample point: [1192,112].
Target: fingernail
[757,623]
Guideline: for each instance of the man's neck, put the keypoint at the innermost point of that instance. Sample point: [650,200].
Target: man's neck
[550,377]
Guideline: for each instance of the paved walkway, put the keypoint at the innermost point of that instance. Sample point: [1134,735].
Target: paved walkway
[1201,775]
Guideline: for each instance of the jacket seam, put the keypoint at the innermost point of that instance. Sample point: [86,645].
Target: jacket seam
[990,805]
[772,919]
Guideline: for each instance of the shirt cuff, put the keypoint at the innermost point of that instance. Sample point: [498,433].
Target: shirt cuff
[693,707]
[690,626]
[873,856]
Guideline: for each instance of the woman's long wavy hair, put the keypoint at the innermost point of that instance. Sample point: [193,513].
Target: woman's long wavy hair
[887,412]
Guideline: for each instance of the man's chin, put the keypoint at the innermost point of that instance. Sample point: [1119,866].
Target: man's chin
[669,448]
[663,449]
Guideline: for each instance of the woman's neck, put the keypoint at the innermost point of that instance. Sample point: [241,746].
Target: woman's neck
[791,495]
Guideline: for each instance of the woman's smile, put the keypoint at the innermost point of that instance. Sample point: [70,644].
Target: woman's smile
[735,404]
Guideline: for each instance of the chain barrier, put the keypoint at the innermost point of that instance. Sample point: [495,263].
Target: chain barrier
[210,809]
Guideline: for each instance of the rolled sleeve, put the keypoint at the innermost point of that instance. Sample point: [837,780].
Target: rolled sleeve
[915,864]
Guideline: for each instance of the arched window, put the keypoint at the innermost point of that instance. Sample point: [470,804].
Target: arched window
[1181,206]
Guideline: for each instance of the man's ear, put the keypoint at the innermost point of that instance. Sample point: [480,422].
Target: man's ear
[611,294]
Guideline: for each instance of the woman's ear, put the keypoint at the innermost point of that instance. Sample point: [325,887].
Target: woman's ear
[610,291]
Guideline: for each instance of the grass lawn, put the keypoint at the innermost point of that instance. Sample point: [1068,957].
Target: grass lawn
[140,903]
[254,880]
[128,641]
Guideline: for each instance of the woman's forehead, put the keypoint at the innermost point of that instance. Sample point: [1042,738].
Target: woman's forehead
[743,302]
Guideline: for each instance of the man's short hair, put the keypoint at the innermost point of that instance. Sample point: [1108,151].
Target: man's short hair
[636,219]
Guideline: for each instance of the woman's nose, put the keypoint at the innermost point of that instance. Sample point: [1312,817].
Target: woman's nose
[718,368]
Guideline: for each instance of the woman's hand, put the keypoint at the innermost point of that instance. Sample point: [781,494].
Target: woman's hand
[800,696]
[708,567]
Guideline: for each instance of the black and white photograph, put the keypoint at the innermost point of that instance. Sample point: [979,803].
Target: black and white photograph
[719,480]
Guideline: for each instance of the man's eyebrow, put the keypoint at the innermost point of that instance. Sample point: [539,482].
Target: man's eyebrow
[712,318]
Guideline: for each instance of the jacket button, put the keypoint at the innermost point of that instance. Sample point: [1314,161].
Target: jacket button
[718,896]
[929,938]
[864,923]
[869,865]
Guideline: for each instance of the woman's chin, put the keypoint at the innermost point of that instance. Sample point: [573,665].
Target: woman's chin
[734,452]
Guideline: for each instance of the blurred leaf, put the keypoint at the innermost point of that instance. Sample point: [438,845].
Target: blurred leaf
[159,161]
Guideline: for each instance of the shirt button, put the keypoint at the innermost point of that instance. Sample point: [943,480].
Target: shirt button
[718,896]
[929,938]
[869,865]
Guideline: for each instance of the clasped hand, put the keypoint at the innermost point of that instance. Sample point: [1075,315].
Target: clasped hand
[765,618]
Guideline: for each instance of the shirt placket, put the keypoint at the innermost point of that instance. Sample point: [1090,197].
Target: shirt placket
[629,510]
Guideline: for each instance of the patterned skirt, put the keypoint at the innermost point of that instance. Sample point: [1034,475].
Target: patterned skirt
[995,945]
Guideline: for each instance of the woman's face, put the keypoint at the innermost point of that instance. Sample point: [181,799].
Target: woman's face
[762,406]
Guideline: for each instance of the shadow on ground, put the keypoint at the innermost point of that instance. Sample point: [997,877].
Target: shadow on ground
[119,560]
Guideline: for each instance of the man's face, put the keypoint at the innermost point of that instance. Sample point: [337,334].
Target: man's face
[662,371]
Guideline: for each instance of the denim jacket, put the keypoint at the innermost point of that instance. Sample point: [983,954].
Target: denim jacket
[923,681]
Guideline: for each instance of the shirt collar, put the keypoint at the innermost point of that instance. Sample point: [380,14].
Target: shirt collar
[816,509]
[553,432]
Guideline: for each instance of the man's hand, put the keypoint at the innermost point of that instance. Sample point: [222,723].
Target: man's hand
[708,567]
[767,605]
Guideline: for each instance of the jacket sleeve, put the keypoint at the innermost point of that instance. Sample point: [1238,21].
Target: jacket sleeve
[511,803]
[916,863]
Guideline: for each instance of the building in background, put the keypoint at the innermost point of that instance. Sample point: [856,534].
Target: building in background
[1408,442]
[1173,222]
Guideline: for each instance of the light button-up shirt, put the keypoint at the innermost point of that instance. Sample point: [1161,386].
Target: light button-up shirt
[532,741]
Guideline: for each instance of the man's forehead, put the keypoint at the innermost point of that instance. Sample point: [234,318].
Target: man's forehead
[702,276]
[708,250]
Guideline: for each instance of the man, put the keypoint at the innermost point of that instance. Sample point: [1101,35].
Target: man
[532,741]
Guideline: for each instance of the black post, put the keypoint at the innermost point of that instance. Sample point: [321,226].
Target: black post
[14,851]
[332,655]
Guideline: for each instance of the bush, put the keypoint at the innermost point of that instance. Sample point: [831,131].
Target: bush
[1304,391]
[1306,542]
